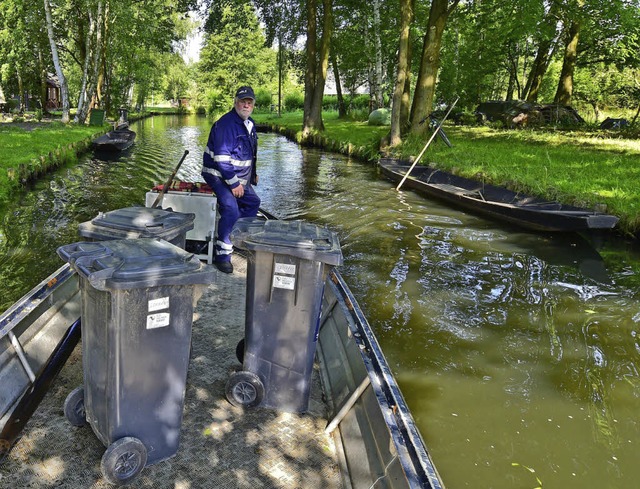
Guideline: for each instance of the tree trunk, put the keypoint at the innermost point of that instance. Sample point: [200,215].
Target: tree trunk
[402,75]
[310,74]
[83,98]
[596,111]
[64,91]
[565,84]
[43,81]
[342,108]
[97,58]
[429,65]
[314,120]
[280,73]
[23,105]
[379,102]
[635,117]
[538,70]
[101,69]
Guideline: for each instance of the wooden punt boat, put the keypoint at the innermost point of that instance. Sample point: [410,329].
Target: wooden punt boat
[496,202]
[358,432]
[120,139]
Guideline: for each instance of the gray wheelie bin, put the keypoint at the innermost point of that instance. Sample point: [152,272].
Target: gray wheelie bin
[286,271]
[139,222]
[138,297]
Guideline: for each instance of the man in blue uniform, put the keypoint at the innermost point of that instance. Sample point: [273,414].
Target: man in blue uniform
[229,167]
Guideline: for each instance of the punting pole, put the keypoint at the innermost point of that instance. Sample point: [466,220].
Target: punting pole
[166,186]
[428,143]
[34,394]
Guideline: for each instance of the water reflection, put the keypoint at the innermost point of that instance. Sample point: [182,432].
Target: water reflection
[510,347]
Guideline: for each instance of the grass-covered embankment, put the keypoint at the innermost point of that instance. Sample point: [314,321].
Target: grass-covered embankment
[28,150]
[585,168]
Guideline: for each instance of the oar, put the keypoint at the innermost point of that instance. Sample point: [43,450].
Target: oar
[428,143]
[168,183]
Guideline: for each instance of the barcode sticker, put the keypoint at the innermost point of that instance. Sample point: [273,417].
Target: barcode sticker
[159,320]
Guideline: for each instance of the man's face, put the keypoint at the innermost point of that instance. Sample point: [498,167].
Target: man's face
[244,107]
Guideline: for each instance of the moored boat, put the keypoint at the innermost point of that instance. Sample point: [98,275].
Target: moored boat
[120,139]
[358,431]
[496,202]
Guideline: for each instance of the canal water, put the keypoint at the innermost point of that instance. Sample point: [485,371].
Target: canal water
[518,353]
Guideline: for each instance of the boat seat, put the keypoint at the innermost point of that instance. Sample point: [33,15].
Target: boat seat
[463,192]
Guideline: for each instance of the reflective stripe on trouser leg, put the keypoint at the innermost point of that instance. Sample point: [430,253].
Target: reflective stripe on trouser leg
[223,251]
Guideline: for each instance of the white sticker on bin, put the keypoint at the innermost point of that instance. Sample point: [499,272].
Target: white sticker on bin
[159,320]
[284,282]
[285,268]
[159,304]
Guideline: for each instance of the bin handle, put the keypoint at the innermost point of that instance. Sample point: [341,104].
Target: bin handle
[96,278]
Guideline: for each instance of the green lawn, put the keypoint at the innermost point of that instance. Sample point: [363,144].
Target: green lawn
[585,168]
[35,146]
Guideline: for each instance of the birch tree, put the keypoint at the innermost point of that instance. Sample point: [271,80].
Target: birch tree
[93,49]
[64,90]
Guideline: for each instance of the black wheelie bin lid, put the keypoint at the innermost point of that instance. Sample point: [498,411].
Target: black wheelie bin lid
[294,238]
[137,222]
[135,263]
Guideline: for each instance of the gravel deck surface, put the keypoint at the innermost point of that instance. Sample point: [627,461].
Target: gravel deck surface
[221,446]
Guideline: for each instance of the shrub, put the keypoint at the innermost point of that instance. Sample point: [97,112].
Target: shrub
[330,102]
[263,99]
[294,101]
[359,102]
[214,101]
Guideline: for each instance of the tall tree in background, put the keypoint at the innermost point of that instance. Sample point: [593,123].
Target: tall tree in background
[378,100]
[565,84]
[24,50]
[64,90]
[234,53]
[317,65]
[547,40]
[429,64]
[400,92]
[282,23]
[93,49]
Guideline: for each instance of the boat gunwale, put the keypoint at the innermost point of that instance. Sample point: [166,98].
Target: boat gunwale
[412,452]
[10,318]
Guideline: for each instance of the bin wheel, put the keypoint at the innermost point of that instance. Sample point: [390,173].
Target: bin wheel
[123,460]
[244,389]
[240,351]
[74,407]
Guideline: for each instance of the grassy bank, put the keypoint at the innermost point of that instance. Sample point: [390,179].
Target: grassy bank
[581,168]
[30,149]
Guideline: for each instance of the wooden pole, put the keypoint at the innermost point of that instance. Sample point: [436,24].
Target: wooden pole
[166,186]
[428,143]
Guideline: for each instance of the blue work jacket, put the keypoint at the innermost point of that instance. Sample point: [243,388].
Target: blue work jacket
[231,151]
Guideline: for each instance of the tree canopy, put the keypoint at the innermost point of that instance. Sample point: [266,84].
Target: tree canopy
[410,55]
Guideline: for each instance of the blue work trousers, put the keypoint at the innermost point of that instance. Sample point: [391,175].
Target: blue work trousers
[230,208]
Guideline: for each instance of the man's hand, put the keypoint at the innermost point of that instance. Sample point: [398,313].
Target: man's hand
[238,191]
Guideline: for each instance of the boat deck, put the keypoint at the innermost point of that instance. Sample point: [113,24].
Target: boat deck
[221,446]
